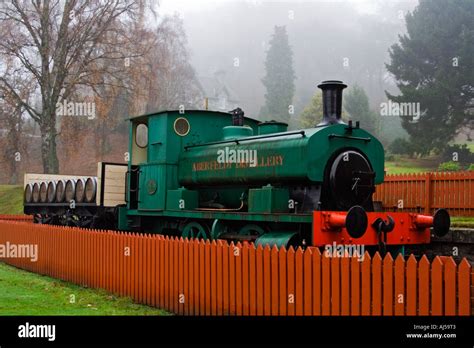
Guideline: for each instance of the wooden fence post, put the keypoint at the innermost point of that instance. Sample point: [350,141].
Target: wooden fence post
[428,194]
[464,272]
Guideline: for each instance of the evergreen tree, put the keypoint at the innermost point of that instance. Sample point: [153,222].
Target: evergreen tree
[434,66]
[356,104]
[279,78]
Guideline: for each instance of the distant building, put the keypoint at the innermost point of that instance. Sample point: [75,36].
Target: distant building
[220,97]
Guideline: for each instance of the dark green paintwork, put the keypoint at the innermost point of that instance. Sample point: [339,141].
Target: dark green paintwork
[272,127]
[269,199]
[236,132]
[182,199]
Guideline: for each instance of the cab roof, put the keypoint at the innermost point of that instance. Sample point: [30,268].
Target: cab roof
[157,113]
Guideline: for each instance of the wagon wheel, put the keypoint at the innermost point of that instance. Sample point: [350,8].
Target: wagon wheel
[85,222]
[37,218]
[62,221]
[54,220]
[195,229]
[72,220]
[45,219]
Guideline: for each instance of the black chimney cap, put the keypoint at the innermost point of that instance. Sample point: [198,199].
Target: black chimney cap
[331,83]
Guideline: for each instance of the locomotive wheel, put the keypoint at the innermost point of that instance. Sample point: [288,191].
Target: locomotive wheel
[252,230]
[195,229]
[219,227]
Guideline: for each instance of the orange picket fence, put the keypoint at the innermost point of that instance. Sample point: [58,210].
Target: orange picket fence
[426,192]
[190,277]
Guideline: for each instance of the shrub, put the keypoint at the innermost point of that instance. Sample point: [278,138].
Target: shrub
[471,167]
[449,167]
[458,153]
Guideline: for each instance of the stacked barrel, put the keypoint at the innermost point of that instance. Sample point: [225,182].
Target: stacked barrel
[82,190]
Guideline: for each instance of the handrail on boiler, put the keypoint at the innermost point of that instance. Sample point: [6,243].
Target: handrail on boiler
[238,141]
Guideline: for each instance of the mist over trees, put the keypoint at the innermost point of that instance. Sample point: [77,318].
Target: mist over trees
[356,104]
[329,40]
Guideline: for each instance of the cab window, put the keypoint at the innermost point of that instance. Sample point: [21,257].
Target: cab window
[141,135]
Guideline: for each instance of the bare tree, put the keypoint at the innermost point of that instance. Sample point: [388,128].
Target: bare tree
[160,79]
[12,120]
[172,81]
[65,46]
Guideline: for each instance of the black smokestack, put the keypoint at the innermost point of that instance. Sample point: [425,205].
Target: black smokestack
[332,102]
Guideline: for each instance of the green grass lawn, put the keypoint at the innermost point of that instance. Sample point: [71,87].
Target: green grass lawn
[11,199]
[397,168]
[403,165]
[459,221]
[25,293]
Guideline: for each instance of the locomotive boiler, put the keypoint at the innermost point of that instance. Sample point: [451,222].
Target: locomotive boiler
[213,175]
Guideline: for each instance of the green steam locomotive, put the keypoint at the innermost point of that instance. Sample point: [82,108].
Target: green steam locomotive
[213,175]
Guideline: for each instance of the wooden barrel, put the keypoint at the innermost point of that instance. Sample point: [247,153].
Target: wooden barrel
[43,191]
[80,190]
[91,190]
[36,190]
[51,195]
[70,190]
[60,191]
[28,193]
